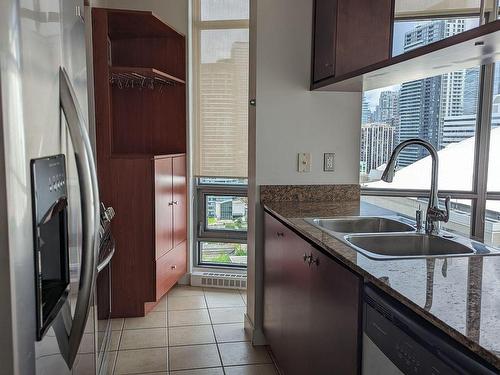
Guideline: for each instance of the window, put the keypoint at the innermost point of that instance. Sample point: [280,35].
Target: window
[220,42]
[440,109]
[223,253]
[446,111]
[430,8]
[492,223]
[222,215]
[220,70]
[460,210]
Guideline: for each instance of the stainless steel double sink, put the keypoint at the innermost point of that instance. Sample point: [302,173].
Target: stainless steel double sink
[395,237]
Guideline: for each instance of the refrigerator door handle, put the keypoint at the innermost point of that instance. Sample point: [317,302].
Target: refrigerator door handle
[89,197]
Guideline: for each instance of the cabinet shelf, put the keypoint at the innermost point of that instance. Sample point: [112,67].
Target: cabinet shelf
[474,47]
[126,76]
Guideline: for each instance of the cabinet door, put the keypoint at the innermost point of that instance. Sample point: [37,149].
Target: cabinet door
[273,284]
[325,15]
[364,34]
[163,206]
[286,296]
[297,311]
[335,323]
[179,188]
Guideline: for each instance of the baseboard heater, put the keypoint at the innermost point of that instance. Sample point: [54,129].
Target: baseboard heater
[219,280]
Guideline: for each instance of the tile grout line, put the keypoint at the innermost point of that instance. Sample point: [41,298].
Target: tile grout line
[167,332]
[118,348]
[213,331]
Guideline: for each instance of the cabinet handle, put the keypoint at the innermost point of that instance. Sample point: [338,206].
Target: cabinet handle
[316,261]
[307,258]
[175,202]
[170,203]
[280,234]
[173,267]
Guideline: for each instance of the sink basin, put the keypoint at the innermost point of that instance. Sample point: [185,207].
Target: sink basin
[393,237]
[362,224]
[415,245]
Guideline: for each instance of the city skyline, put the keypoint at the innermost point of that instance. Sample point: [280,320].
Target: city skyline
[440,109]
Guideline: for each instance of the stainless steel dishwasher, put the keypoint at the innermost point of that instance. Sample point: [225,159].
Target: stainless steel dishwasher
[398,341]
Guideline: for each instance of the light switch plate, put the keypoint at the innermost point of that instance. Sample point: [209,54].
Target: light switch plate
[304,162]
[329,162]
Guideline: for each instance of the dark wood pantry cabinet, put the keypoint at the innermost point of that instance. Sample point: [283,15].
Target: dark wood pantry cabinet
[140,123]
[312,311]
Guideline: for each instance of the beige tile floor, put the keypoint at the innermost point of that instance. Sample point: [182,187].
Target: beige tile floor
[192,331]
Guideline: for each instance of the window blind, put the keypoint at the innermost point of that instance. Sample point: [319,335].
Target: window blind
[434,8]
[221,89]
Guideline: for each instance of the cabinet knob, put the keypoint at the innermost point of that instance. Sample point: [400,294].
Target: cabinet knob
[170,203]
[280,234]
[173,267]
[307,258]
[176,202]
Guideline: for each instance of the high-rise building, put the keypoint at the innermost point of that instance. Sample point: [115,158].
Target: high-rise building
[377,143]
[424,103]
[459,128]
[366,113]
[471,87]
[387,110]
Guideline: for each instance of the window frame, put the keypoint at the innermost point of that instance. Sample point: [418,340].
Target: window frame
[203,235]
[217,190]
[479,195]
[216,265]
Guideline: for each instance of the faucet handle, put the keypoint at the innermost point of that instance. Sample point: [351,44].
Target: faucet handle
[447,209]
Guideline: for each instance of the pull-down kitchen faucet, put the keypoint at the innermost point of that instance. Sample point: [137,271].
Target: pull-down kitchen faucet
[434,214]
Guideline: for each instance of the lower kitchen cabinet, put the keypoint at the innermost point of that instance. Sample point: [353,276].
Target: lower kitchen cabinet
[312,309]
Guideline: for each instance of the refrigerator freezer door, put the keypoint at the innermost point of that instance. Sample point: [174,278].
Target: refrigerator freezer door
[36,38]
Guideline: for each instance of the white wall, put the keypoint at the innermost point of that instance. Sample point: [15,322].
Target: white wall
[172,12]
[292,119]
[289,119]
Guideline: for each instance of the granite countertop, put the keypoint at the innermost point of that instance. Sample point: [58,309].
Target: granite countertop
[460,295]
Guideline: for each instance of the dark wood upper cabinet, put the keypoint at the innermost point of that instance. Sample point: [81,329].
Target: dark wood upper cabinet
[352,45]
[312,311]
[364,34]
[350,34]
[324,37]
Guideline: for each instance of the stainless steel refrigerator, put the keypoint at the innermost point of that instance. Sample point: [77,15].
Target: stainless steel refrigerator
[44,120]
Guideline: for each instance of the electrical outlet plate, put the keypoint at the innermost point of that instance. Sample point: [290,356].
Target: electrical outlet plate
[304,162]
[329,162]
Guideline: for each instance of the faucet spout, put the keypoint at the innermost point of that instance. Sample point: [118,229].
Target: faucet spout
[434,213]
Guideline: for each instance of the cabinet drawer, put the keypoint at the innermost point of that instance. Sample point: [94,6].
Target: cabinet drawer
[170,268]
